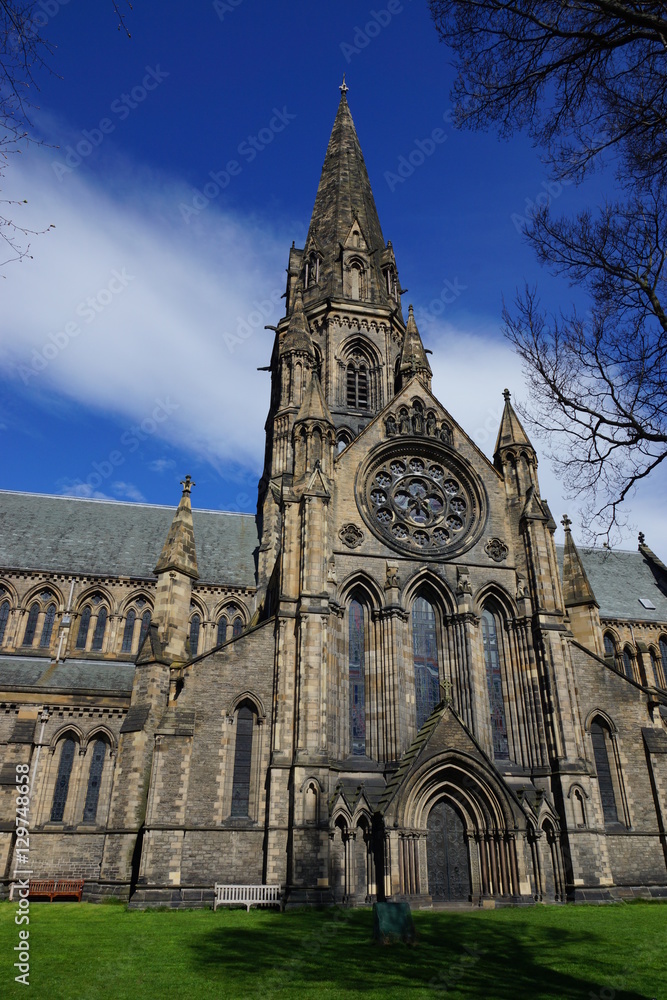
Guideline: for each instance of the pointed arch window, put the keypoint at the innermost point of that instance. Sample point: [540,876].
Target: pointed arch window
[47,627]
[357,679]
[609,645]
[100,629]
[231,616]
[195,626]
[84,625]
[245,721]
[425,659]
[657,672]
[31,625]
[602,745]
[222,630]
[62,780]
[4,616]
[145,625]
[94,781]
[492,662]
[663,656]
[128,632]
[627,663]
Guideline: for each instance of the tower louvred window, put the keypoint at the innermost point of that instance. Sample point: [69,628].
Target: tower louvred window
[357,385]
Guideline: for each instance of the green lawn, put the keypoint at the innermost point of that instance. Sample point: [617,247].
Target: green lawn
[89,952]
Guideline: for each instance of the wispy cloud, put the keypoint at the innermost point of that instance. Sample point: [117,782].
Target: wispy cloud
[161,465]
[188,325]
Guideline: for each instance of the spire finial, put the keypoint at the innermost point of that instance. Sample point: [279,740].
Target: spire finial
[187,485]
[343,87]
[507,395]
[566,522]
[411,311]
[642,538]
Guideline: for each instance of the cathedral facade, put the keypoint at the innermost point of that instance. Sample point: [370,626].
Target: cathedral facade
[389,684]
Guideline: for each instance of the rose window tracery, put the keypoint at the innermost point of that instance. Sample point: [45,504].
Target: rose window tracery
[422,503]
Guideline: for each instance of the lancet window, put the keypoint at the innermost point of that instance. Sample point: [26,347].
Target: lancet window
[45,607]
[4,616]
[425,658]
[605,765]
[195,627]
[493,664]
[230,624]
[94,781]
[357,678]
[245,723]
[62,779]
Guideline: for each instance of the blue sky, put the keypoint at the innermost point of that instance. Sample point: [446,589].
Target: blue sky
[130,342]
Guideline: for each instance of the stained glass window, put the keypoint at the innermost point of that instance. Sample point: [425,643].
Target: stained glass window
[609,645]
[62,781]
[222,631]
[495,685]
[128,633]
[663,657]
[242,762]
[425,653]
[47,627]
[195,625]
[94,781]
[357,679]
[237,627]
[145,625]
[100,629]
[600,737]
[4,615]
[31,625]
[84,625]
[627,664]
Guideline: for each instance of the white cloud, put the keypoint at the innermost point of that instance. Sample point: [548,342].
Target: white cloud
[128,491]
[129,311]
[160,465]
[84,491]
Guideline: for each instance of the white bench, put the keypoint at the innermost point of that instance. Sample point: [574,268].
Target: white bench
[248,895]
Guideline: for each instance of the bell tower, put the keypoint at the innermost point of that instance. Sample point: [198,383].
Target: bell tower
[343,321]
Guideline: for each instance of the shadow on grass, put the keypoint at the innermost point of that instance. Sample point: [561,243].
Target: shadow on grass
[468,958]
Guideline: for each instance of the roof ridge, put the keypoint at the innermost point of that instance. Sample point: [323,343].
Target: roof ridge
[124,503]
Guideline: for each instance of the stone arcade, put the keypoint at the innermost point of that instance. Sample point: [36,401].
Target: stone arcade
[390,683]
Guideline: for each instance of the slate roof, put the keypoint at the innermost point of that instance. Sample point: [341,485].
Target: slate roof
[27,673]
[112,538]
[619,579]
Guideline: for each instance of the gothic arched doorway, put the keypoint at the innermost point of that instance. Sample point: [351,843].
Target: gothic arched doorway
[447,854]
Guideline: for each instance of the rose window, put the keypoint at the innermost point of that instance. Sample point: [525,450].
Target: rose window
[422,505]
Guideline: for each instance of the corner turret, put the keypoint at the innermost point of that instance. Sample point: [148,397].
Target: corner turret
[175,570]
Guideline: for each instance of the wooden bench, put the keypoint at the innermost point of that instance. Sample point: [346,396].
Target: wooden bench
[248,895]
[56,888]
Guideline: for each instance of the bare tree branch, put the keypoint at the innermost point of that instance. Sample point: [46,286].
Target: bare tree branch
[24,54]
[587,79]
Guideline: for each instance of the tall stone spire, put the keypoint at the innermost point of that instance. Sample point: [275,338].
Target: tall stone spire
[178,551]
[576,588]
[514,455]
[413,356]
[582,608]
[345,219]
[176,570]
[510,433]
[297,337]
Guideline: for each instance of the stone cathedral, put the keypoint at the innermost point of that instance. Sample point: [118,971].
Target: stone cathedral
[390,683]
